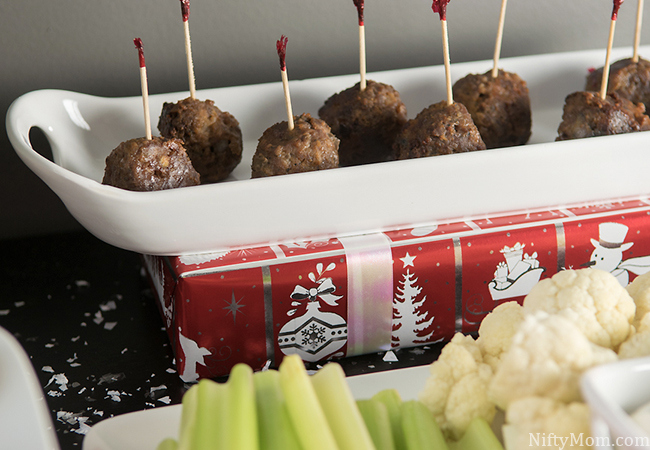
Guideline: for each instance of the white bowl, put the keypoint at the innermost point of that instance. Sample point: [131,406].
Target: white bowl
[242,212]
[613,392]
[25,421]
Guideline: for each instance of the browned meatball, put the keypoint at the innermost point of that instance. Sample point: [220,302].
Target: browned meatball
[500,107]
[365,121]
[212,137]
[586,114]
[627,78]
[150,165]
[309,146]
[440,129]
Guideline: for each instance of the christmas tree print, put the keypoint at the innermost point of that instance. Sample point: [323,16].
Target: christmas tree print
[410,322]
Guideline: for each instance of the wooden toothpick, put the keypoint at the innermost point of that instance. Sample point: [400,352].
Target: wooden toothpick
[143,86]
[637,33]
[281,46]
[362,44]
[185,11]
[497,46]
[440,7]
[610,42]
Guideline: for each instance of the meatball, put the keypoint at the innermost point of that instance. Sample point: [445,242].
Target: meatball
[440,129]
[212,137]
[366,122]
[627,78]
[150,165]
[309,146]
[500,107]
[586,114]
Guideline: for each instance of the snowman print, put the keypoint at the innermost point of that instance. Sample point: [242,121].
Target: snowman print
[608,253]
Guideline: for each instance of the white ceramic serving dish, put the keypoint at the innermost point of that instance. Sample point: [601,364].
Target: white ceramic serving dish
[143,430]
[25,421]
[613,392]
[83,129]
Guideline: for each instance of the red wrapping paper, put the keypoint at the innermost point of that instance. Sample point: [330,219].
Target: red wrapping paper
[333,298]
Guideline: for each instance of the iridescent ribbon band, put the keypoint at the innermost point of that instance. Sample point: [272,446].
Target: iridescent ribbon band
[370,292]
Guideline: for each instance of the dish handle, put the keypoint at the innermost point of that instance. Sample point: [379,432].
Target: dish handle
[34,110]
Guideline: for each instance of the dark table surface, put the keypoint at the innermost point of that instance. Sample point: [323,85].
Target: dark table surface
[84,309]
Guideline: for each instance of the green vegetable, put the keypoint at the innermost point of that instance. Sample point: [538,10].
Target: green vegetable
[188,417]
[479,436]
[393,402]
[375,415]
[421,431]
[275,429]
[240,410]
[306,413]
[203,416]
[220,415]
[286,409]
[340,409]
[168,444]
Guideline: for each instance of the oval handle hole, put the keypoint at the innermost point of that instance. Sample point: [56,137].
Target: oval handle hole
[40,143]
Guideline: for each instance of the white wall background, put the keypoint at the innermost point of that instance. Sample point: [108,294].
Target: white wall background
[86,46]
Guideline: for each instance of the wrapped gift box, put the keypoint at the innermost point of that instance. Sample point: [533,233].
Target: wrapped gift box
[340,297]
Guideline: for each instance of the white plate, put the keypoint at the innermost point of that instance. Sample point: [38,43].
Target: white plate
[25,421]
[144,430]
[84,129]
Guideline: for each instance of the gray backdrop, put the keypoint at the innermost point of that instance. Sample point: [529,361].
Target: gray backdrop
[86,46]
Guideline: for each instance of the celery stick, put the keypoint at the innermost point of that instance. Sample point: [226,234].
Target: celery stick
[188,417]
[168,444]
[202,420]
[211,428]
[479,436]
[340,408]
[275,428]
[242,414]
[393,402]
[421,431]
[375,415]
[306,414]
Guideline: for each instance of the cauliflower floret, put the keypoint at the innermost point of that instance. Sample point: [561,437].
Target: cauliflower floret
[592,299]
[547,356]
[456,391]
[540,422]
[638,344]
[639,290]
[497,329]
